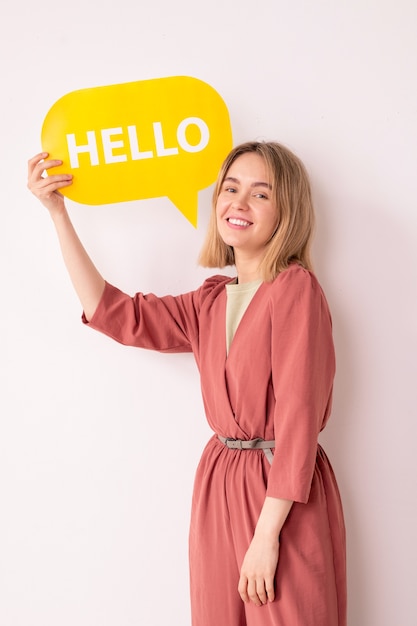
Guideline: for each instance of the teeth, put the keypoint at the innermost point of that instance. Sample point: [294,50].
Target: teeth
[236,222]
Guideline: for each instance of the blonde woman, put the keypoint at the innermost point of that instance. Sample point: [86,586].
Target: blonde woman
[267,537]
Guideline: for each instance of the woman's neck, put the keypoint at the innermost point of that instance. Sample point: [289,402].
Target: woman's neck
[247,270]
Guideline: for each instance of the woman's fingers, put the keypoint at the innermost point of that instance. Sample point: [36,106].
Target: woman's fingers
[243,588]
[270,589]
[46,188]
[253,593]
[35,160]
[261,591]
[37,165]
[256,590]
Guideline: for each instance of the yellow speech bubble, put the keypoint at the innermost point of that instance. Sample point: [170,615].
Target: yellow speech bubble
[139,140]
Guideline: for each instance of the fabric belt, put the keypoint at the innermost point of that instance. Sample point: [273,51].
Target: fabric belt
[251,444]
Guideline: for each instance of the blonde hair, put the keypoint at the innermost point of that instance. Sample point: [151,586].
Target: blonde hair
[291,241]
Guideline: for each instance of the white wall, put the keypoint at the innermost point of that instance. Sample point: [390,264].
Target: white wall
[94,515]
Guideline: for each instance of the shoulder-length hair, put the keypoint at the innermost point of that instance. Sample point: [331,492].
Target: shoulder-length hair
[291,241]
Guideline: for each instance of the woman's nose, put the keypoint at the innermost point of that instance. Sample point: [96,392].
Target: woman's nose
[240,201]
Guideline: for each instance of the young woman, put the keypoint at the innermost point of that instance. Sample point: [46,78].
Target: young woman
[267,537]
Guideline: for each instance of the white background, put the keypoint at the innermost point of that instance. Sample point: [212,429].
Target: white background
[99,443]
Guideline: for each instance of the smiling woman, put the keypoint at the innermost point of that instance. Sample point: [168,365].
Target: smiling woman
[281,184]
[267,536]
[247,214]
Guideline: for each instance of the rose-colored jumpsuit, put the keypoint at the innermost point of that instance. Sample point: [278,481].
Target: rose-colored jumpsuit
[275,383]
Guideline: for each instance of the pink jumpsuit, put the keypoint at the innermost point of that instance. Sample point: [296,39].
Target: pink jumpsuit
[275,383]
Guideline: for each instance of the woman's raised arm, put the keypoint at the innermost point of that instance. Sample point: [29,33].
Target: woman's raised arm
[87,280]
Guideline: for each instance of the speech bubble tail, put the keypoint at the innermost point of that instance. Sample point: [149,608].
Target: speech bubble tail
[187,203]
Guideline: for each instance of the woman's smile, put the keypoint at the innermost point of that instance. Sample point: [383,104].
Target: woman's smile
[238,223]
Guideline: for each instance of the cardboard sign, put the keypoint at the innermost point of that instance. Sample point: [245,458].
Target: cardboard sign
[139,140]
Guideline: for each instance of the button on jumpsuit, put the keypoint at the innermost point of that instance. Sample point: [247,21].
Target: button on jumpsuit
[275,383]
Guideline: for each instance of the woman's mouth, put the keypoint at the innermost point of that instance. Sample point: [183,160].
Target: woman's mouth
[238,222]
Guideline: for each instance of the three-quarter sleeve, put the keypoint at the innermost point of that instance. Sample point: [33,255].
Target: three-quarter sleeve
[303,367]
[165,324]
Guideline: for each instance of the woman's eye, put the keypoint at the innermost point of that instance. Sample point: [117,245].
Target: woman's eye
[230,189]
[261,195]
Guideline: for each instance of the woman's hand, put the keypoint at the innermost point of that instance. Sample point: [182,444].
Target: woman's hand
[257,574]
[46,188]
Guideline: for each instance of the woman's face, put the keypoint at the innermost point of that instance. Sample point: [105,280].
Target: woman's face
[246,210]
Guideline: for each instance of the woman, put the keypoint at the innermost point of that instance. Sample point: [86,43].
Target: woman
[267,538]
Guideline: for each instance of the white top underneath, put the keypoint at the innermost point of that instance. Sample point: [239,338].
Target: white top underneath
[238,300]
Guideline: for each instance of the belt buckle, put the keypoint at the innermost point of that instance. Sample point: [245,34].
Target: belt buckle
[236,444]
